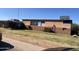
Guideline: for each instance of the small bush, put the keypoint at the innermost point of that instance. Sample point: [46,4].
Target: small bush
[47,29]
[74,29]
[78,33]
[28,27]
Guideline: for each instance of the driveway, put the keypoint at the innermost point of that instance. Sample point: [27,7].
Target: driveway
[22,46]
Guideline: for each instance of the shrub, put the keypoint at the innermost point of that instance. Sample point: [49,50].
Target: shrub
[47,29]
[28,27]
[78,33]
[74,29]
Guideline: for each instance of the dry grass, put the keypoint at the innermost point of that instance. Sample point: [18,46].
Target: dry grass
[44,39]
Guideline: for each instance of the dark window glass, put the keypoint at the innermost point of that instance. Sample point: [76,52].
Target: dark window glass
[67,21]
[43,21]
[34,23]
[37,23]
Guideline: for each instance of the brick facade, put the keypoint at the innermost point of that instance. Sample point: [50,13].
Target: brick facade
[27,22]
[49,23]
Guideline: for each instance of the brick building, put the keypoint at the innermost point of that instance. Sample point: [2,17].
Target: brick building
[62,26]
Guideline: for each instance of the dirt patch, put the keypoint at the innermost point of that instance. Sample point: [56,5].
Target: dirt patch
[42,43]
[43,39]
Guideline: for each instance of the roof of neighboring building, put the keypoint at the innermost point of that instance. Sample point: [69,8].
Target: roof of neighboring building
[39,19]
[42,20]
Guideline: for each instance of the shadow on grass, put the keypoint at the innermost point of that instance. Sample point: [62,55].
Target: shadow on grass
[5,46]
[59,49]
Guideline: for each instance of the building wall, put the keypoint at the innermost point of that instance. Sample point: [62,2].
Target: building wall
[67,26]
[51,23]
[27,22]
[38,28]
[59,26]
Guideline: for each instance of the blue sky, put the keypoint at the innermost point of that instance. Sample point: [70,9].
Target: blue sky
[39,13]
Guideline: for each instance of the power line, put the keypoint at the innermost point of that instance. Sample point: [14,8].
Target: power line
[18,14]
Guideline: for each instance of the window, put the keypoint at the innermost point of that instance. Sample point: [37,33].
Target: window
[34,23]
[67,21]
[37,23]
[43,21]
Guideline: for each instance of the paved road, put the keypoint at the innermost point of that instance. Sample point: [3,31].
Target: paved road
[21,46]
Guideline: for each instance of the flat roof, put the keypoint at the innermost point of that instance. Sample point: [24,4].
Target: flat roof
[43,20]
[40,19]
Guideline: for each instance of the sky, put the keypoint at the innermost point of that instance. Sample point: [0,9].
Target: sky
[39,13]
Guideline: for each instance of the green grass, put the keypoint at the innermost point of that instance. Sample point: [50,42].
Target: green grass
[60,38]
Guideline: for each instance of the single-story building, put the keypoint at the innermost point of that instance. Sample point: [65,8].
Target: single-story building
[56,25]
[61,26]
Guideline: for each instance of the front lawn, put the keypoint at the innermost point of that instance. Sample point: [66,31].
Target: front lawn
[38,36]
